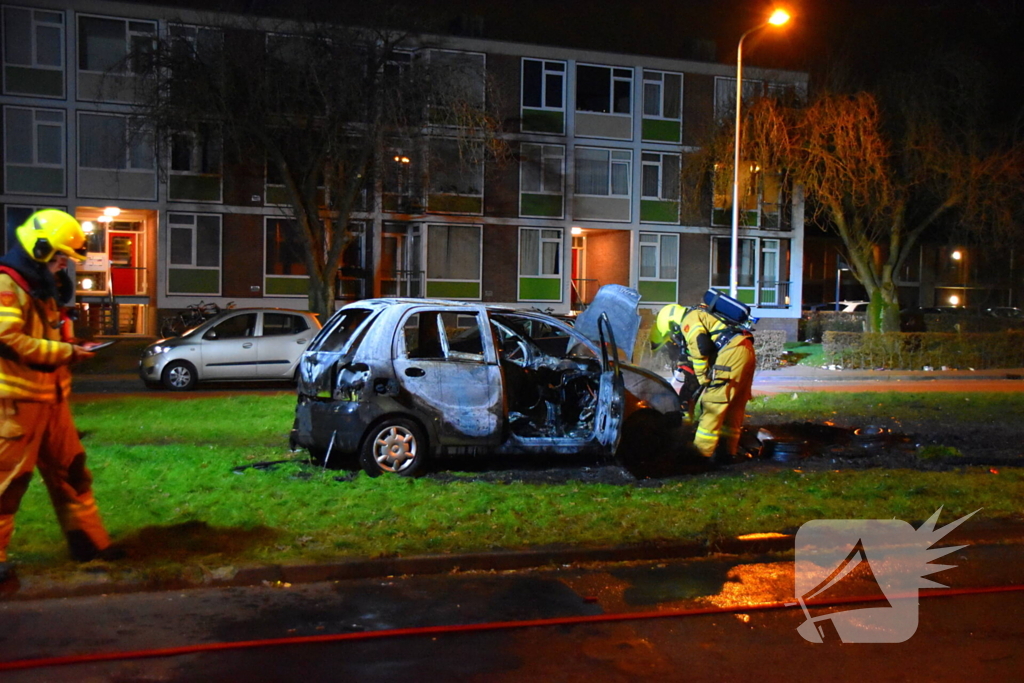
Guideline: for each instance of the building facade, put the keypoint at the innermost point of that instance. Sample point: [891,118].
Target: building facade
[591,197]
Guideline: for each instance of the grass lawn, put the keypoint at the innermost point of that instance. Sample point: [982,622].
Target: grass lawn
[169,487]
[805,353]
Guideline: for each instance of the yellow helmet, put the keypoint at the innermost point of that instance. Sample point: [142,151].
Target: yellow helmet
[661,332]
[48,231]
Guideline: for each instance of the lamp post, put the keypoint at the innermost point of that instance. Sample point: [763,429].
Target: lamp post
[778,18]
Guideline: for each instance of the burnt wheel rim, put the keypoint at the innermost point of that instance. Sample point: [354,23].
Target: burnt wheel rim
[395,449]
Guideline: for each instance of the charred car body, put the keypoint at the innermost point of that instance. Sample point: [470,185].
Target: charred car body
[399,381]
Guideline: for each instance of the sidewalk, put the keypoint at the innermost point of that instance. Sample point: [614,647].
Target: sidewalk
[809,378]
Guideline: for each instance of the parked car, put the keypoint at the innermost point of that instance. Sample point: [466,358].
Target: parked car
[400,381]
[843,306]
[1011,312]
[237,344]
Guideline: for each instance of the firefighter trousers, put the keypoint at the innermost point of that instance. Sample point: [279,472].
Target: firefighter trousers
[43,435]
[723,403]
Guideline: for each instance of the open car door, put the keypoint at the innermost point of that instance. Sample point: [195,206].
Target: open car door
[611,399]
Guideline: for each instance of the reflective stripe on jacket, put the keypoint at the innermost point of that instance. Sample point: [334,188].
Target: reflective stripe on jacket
[33,359]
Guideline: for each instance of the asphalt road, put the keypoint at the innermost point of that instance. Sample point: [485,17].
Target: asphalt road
[710,619]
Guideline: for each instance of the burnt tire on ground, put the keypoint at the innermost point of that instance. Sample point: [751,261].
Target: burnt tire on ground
[395,446]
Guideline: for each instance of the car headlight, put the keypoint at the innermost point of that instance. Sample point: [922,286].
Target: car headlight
[155,351]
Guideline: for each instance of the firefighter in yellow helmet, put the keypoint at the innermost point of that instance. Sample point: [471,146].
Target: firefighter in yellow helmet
[36,348]
[718,348]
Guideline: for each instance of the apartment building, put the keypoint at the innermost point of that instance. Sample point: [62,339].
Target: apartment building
[591,196]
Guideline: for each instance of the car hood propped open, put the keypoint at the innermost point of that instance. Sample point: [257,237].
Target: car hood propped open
[620,303]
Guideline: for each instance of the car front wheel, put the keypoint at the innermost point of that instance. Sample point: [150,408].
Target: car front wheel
[396,446]
[179,376]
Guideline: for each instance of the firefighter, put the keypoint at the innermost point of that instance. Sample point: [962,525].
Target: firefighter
[722,353]
[36,350]
[667,332]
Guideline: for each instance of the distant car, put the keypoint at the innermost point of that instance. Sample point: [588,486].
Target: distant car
[843,307]
[401,381]
[1005,312]
[238,344]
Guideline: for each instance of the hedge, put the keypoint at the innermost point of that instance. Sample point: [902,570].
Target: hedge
[917,350]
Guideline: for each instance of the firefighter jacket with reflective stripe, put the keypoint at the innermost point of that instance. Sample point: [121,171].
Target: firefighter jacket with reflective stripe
[33,358]
[701,329]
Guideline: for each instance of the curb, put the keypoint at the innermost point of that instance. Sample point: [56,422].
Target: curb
[90,582]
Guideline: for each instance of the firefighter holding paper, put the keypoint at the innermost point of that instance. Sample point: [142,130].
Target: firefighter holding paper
[36,350]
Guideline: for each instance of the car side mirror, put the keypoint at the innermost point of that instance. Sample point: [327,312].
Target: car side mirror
[212,334]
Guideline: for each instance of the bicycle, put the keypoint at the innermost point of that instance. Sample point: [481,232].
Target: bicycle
[193,315]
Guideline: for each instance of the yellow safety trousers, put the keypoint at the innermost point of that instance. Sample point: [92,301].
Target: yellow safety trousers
[723,403]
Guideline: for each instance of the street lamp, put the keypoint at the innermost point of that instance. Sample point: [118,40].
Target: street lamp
[778,18]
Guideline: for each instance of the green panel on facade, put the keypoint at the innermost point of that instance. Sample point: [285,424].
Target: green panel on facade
[541,205]
[659,211]
[193,281]
[656,129]
[200,188]
[283,286]
[28,81]
[453,203]
[540,289]
[745,295]
[543,121]
[35,180]
[453,290]
[661,292]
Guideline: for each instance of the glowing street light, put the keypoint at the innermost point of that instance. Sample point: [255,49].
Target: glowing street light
[778,18]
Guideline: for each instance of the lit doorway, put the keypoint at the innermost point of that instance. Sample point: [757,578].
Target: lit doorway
[401,266]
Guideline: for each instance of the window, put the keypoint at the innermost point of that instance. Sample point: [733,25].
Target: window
[762,199]
[663,95]
[284,252]
[196,152]
[604,90]
[745,262]
[761,265]
[603,172]
[459,77]
[34,151]
[542,168]
[114,143]
[540,252]
[121,46]
[193,254]
[659,266]
[660,176]
[453,261]
[33,52]
[443,335]
[725,95]
[235,327]
[352,274]
[456,168]
[277,324]
[543,84]
[456,176]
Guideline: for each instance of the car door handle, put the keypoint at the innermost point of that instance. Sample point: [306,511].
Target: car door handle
[247,345]
[415,372]
[300,341]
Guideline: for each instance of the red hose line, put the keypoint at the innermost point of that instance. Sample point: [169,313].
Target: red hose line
[21,664]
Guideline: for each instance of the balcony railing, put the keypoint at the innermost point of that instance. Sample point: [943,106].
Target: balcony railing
[773,294]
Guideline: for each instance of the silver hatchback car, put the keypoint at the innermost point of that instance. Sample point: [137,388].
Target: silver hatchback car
[238,344]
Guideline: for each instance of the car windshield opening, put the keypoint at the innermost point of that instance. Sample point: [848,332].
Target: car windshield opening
[337,336]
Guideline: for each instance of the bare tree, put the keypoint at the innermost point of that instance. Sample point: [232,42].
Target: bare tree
[322,105]
[884,169]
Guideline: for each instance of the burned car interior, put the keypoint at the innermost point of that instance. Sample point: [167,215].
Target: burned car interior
[394,380]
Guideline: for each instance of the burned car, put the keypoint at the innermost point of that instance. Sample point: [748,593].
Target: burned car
[401,381]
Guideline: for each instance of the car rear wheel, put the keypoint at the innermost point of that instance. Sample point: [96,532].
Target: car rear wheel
[179,376]
[395,446]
